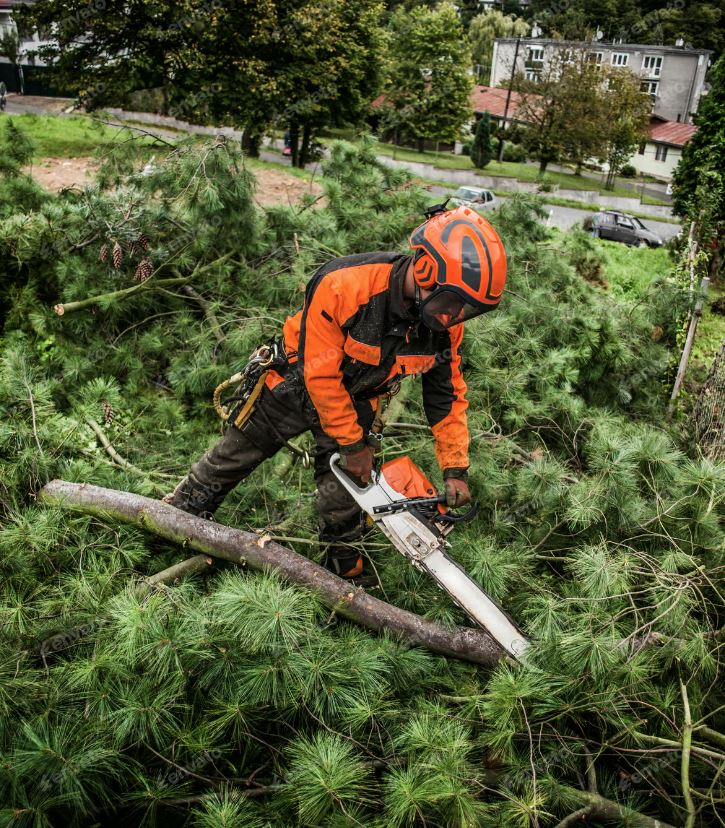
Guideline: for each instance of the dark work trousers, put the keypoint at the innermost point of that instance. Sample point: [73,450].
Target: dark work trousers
[280,414]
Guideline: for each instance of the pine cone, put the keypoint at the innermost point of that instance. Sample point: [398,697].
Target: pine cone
[144,270]
[142,242]
[104,253]
[117,255]
[108,412]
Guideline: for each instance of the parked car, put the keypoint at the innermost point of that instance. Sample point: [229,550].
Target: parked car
[475,197]
[621,227]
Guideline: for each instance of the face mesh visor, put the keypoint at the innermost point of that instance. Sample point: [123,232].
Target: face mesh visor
[444,309]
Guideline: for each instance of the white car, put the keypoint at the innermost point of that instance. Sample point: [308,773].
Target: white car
[475,197]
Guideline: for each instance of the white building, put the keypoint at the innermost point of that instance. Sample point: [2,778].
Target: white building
[29,43]
[662,151]
[674,76]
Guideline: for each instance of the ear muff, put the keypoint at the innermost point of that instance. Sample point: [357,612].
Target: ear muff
[424,270]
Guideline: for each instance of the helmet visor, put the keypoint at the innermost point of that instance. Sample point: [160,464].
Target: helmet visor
[445,308]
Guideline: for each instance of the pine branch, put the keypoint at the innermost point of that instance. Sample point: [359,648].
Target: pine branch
[241,547]
[117,458]
[149,284]
[171,575]
[713,736]
[209,314]
[177,572]
[607,809]
[577,816]
[685,759]
[659,740]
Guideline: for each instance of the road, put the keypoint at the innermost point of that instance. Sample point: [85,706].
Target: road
[566,217]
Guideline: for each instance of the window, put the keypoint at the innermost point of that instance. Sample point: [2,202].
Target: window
[650,87]
[620,59]
[660,153]
[623,221]
[652,66]
[595,58]
[532,74]
[534,54]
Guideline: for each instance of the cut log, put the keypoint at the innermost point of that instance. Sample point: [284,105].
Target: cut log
[241,547]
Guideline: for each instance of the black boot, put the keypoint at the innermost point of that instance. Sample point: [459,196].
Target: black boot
[192,497]
[349,564]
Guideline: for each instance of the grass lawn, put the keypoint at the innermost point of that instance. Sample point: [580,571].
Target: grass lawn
[506,169]
[57,136]
[630,270]
[710,335]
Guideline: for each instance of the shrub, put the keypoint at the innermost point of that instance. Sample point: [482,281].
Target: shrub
[514,152]
[628,171]
[481,149]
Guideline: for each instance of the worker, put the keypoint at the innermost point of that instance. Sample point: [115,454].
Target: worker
[367,321]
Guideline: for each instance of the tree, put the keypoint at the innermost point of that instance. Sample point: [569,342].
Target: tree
[297,65]
[700,24]
[428,85]
[577,111]
[629,112]
[103,50]
[698,182]
[481,149]
[10,48]
[484,29]
[333,70]
[563,109]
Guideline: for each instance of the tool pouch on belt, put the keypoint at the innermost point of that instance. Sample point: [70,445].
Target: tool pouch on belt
[236,409]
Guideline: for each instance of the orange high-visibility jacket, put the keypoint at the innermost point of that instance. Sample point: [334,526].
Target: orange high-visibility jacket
[354,338]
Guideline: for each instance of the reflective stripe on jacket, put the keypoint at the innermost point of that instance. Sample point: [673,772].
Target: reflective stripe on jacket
[355,336]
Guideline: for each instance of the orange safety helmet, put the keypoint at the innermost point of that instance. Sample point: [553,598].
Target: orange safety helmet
[460,257]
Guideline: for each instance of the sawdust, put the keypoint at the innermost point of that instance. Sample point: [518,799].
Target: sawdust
[274,187]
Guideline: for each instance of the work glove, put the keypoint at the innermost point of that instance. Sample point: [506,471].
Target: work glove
[457,492]
[358,463]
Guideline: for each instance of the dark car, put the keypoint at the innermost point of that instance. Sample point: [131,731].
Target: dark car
[621,227]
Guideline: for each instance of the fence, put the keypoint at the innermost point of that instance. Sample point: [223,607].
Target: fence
[709,414]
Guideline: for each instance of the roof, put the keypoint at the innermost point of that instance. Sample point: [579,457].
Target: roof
[492,99]
[489,99]
[674,133]
[599,45]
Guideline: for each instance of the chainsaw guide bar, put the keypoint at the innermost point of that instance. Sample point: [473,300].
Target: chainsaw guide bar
[417,527]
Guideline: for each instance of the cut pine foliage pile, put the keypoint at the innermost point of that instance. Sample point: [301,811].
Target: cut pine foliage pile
[235,698]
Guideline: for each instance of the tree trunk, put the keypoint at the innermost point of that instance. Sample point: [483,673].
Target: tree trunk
[306,140]
[165,98]
[241,547]
[543,164]
[250,143]
[421,144]
[294,137]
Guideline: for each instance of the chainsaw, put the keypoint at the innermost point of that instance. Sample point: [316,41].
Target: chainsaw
[403,503]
